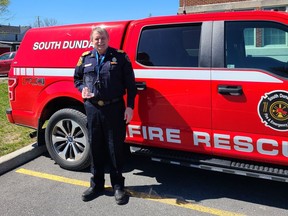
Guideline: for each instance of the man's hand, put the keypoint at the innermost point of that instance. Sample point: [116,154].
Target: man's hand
[128,115]
[86,93]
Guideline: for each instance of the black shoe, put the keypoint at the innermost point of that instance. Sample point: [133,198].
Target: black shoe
[91,193]
[120,195]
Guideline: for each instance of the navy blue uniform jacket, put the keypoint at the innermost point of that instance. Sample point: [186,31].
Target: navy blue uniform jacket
[116,75]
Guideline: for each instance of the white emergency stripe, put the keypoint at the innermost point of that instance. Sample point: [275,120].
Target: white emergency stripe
[221,75]
[227,75]
[66,72]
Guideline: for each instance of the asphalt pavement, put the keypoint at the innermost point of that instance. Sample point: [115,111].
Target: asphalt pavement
[19,157]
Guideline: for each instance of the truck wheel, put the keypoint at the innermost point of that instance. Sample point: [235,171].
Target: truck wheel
[66,139]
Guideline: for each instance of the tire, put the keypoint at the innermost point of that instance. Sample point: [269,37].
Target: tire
[66,139]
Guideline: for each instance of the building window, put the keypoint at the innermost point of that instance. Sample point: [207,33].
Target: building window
[249,36]
[274,36]
[275,8]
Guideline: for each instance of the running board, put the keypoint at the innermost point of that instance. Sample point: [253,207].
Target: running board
[212,163]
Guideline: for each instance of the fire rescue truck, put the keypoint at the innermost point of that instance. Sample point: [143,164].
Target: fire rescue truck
[212,90]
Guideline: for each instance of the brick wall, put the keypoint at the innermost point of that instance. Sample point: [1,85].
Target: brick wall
[204,2]
[259,36]
[200,6]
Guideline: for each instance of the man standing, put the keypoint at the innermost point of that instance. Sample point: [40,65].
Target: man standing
[103,75]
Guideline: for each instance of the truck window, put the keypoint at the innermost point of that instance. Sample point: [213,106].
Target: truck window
[171,46]
[259,45]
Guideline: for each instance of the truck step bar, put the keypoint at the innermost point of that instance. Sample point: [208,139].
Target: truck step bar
[206,162]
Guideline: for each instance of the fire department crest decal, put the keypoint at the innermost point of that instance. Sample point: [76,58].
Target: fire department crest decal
[273,110]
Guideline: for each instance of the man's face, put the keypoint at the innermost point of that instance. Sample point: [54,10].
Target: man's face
[100,42]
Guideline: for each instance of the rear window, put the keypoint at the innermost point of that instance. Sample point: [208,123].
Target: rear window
[7,56]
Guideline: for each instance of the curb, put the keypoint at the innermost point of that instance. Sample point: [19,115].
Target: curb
[19,157]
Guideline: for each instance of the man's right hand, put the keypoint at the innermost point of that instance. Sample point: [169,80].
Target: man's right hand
[86,93]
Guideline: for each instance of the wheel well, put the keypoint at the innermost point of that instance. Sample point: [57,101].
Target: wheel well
[52,107]
[61,103]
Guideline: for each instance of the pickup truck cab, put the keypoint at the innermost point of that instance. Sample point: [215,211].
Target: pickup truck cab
[212,90]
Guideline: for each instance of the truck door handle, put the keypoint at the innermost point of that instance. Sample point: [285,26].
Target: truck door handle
[230,90]
[141,85]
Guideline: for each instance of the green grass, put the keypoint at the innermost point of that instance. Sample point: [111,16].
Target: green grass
[12,137]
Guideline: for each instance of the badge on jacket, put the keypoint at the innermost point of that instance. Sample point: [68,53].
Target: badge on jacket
[114,61]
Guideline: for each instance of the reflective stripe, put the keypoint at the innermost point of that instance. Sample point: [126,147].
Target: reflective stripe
[66,72]
[244,76]
[173,74]
[216,75]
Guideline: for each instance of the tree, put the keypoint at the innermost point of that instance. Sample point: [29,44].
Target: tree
[4,9]
[45,22]
[50,22]
[3,5]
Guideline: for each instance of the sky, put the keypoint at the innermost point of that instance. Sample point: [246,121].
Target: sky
[26,12]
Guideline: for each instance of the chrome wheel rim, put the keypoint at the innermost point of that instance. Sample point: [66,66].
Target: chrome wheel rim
[69,140]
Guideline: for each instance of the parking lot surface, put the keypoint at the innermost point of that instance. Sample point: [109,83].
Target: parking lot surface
[41,187]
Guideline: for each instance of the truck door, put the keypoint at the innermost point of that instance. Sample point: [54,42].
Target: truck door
[174,93]
[250,90]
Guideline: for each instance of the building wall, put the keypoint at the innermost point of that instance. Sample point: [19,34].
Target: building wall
[11,37]
[204,2]
[4,49]
[196,6]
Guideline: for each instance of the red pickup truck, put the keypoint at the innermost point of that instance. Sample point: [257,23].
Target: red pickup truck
[212,90]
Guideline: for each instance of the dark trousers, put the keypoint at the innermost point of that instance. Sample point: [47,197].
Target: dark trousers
[106,131]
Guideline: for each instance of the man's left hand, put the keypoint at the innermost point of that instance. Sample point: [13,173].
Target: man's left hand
[128,115]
